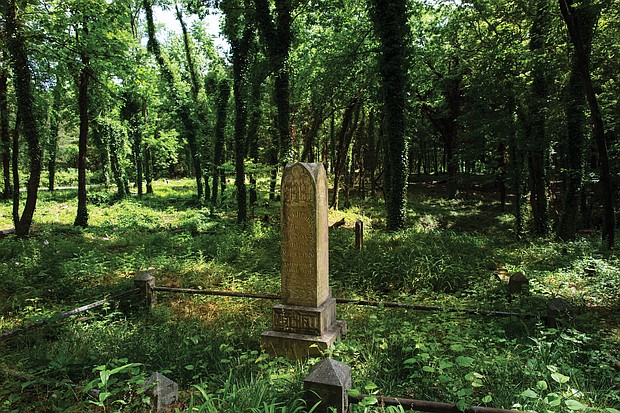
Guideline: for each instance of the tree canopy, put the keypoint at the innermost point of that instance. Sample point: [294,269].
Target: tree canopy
[523,95]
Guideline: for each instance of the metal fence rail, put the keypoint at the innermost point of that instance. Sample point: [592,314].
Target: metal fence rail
[427,406]
[67,314]
[371,303]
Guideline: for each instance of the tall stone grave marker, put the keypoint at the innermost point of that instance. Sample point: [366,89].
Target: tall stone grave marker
[305,320]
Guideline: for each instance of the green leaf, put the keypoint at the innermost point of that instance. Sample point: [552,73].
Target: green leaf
[104,395]
[560,378]
[464,361]
[370,386]
[574,405]
[542,385]
[457,348]
[445,379]
[553,399]
[411,360]
[487,399]
[354,392]
[612,410]
[445,364]
[105,376]
[428,369]
[530,394]
[370,400]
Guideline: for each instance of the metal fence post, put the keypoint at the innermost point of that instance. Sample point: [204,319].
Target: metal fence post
[328,384]
[146,283]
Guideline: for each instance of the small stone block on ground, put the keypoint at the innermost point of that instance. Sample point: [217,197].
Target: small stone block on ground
[163,391]
[328,383]
[517,283]
[557,307]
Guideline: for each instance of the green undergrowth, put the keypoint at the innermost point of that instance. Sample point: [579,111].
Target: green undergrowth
[447,256]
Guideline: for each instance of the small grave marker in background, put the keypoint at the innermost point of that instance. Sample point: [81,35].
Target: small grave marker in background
[163,391]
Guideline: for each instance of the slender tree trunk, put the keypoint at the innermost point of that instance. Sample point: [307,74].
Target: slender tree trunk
[255,116]
[218,149]
[81,219]
[15,168]
[52,142]
[148,169]
[192,138]
[240,136]
[580,21]
[136,144]
[343,148]
[25,103]
[372,154]
[115,145]
[184,111]
[537,145]
[240,51]
[501,174]
[5,138]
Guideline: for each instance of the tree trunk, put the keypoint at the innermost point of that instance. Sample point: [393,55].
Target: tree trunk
[15,167]
[81,219]
[26,110]
[343,148]
[52,142]
[580,21]
[240,51]
[192,139]
[218,147]
[575,117]
[537,145]
[277,37]
[115,145]
[390,19]
[148,169]
[253,127]
[184,111]
[5,138]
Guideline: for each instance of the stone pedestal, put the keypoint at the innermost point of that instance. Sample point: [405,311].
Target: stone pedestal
[305,321]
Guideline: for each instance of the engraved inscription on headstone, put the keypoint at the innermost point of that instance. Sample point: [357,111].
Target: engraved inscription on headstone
[306,318]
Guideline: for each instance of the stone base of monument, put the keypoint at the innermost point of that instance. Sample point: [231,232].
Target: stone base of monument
[300,346]
[301,332]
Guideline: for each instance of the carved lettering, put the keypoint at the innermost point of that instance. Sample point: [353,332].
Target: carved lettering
[298,321]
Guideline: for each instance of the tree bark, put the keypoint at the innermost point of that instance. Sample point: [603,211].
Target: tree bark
[52,142]
[390,19]
[277,38]
[15,169]
[81,218]
[174,95]
[580,24]
[343,148]
[538,145]
[218,147]
[5,138]
[26,110]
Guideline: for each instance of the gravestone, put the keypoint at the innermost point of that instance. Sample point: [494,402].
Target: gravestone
[328,384]
[163,391]
[305,320]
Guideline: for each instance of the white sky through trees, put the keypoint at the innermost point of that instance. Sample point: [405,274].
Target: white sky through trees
[169,20]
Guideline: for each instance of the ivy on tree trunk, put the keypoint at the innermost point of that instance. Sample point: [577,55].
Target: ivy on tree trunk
[390,19]
[26,113]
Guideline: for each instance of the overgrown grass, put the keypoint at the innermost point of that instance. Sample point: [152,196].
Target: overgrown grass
[210,345]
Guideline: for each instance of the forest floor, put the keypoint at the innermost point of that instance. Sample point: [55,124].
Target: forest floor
[447,256]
